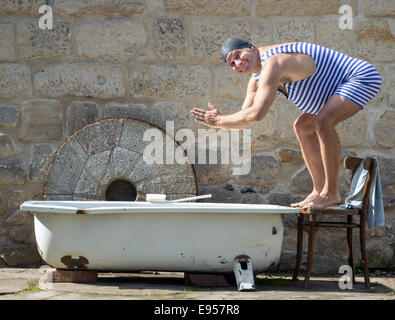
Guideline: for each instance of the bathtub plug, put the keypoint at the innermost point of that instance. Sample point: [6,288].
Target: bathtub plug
[242,268]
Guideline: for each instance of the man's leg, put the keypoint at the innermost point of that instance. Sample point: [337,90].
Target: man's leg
[305,130]
[334,111]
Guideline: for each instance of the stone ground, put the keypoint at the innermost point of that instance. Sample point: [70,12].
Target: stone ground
[27,284]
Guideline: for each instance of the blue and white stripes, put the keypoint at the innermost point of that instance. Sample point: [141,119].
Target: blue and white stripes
[336,73]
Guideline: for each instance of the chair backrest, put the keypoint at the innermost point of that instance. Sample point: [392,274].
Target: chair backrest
[353,163]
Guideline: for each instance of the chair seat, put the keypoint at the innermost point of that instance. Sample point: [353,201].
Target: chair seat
[331,210]
[334,224]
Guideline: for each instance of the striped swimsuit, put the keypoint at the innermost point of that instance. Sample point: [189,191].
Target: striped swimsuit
[336,73]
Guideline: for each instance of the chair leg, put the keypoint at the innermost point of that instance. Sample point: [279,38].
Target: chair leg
[299,246]
[362,234]
[310,250]
[349,248]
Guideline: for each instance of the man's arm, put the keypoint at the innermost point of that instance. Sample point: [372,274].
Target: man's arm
[262,101]
[252,88]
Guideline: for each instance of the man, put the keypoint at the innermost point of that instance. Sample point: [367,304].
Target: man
[326,85]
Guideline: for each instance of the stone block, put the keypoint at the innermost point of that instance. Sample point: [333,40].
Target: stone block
[70,276]
[292,8]
[266,132]
[12,171]
[90,80]
[383,130]
[353,131]
[301,181]
[257,33]
[7,50]
[113,40]
[293,30]
[126,110]
[387,174]
[229,84]
[331,36]
[176,112]
[288,113]
[169,41]
[265,170]
[23,254]
[20,233]
[383,8]
[35,43]
[288,155]
[100,8]
[168,81]
[41,121]
[375,41]
[207,36]
[9,116]
[19,218]
[6,146]
[224,8]
[40,156]
[20,7]
[80,114]
[15,81]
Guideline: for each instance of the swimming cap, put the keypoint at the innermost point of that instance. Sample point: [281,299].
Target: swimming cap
[231,44]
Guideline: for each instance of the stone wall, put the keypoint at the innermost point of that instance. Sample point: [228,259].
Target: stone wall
[156,59]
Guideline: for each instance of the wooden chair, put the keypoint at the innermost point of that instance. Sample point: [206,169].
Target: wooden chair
[351,163]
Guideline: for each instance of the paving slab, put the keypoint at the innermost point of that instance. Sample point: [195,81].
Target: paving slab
[28,284]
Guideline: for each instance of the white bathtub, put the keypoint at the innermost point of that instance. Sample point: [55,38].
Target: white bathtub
[137,236]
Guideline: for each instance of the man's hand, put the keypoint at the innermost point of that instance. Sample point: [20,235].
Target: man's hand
[207,117]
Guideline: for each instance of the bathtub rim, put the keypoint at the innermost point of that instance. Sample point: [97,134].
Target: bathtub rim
[124,207]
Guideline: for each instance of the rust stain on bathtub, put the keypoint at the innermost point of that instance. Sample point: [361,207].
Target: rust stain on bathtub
[258,245]
[80,263]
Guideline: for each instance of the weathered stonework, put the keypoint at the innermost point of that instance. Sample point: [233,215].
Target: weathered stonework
[168,81]
[100,8]
[227,8]
[375,41]
[88,80]
[270,8]
[34,43]
[20,7]
[7,50]
[331,36]
[15,81]
[9,116]
[79,114]
[206,39]
[384,8]
[112,40]
[169,41]
[41,121]
[6,146]
[384,125]
[293,30]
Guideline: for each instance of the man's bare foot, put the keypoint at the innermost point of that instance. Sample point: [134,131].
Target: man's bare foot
[322,201]
[313,195]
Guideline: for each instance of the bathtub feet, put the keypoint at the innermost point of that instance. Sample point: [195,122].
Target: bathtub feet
[242,268]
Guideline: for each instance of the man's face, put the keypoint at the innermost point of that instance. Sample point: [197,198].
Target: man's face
[240,60]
